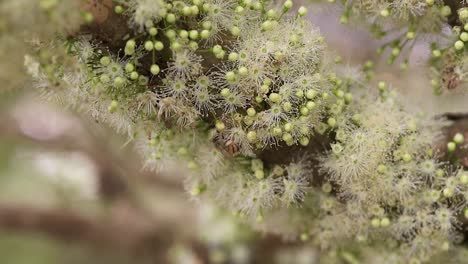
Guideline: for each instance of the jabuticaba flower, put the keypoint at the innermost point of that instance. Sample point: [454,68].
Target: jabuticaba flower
[215,85]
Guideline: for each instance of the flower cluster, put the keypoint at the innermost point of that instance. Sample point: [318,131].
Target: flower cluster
[403,23]
[216,86]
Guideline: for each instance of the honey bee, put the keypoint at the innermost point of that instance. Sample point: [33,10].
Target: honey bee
[450,79]
[227,146]
[231,148]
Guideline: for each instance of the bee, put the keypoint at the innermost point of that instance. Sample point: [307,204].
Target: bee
[99,9]
[227,146]
[450,78]
[231,148]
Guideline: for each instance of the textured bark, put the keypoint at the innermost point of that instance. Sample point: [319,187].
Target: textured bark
[454,6]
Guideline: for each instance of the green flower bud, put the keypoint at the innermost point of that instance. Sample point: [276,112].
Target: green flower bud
[154,69]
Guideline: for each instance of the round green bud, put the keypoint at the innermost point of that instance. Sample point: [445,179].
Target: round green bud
[288,4]
[155,69]
[348,98]
[134,75]
[186,11]
[275,98]
[193,34]
[118,9]
[288,127]
[220,126]
[430,2]
[258,6]
[277,131]
[299,93]
[304,141]
[205,34]
[243,71]
[195,10]
[158,45]
[176,46]
[271,14]
[446,11]
[381,85]
[339,93]
[239,9]
[302,11]
[310,105]
[225,92]
[344,19]
[458,138]
[104,78]
[451,146]
[129,67]
[113,106]
[466,213]
[88,17]
[381,169]
[184,34]
[406,157]
[259,174]
[448,192]
[385,12]
[217,49]
[459,45]
[149,46]
[207,25]
[331,122]
[436,53]
[267,25]
[233,56]
[206,7]
[464,178]
[304,111]
[129,51]
[251,112]
[153,31]
[265,88]
[119,81]
[193,45]
[247,3]
[375,222]
[410,34]
[251,136]
[231,76]
[385,222]
[171,34]
[248,120]
[258,99]
[464,36]
[235,31]
[105,61]
[287,137]
[463,13]
[170,18]
[310,94]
